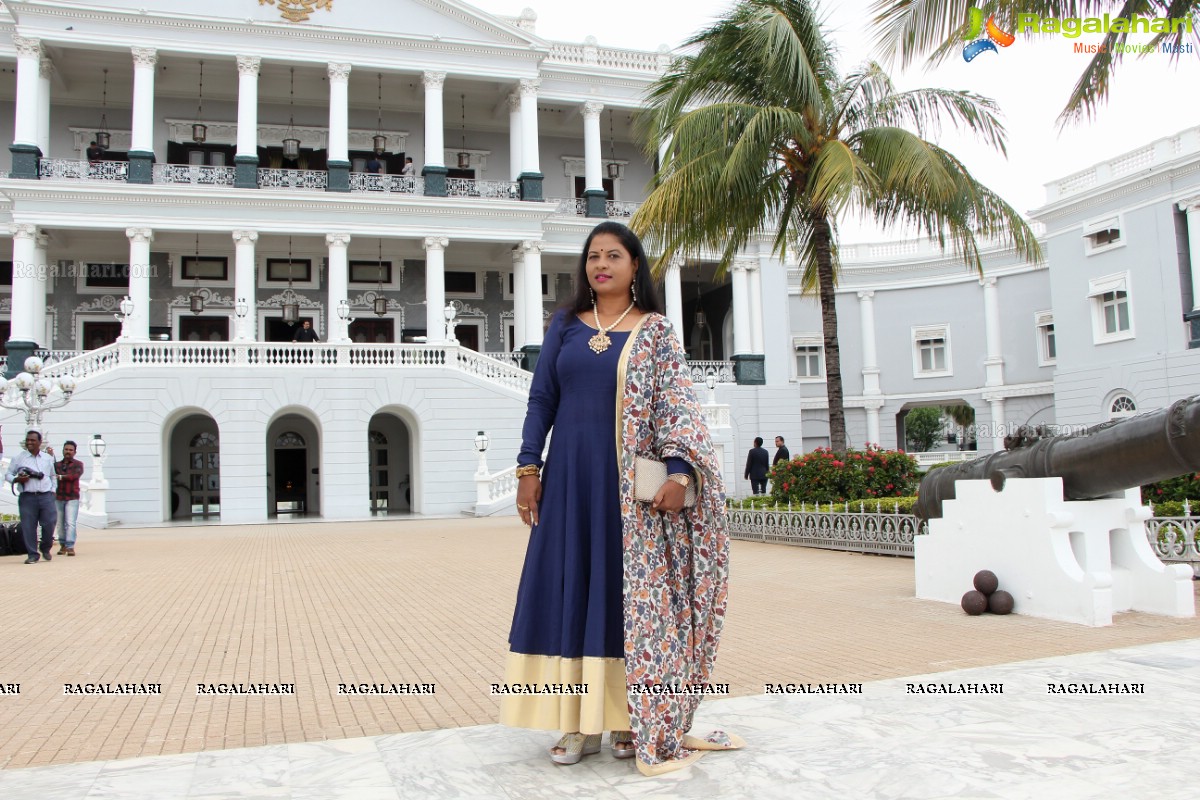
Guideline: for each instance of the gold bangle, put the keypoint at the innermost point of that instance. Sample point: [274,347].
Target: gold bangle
[528,469]
[680,478]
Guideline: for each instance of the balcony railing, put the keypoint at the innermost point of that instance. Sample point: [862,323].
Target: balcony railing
[386,184]
[723,370]
[286,354]
[293,179]
[194,175]
[466,187]
[64,169]
[577,207]
[516,358]
[620,209]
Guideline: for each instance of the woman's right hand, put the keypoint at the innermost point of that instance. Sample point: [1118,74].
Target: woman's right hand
[529,494]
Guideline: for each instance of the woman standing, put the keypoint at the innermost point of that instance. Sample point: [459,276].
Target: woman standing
[624,597]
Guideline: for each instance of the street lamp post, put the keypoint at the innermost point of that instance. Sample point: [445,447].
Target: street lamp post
[34,394]
[481,444]
[710,380]
[98,488]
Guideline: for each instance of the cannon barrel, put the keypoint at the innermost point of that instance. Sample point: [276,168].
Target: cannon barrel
[1104,459]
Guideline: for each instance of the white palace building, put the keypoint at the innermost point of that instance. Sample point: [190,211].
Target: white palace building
[188,183]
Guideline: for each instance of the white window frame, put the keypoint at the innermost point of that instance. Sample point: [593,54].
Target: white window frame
[922,333]
[178,281]
[1112,399]
[480,288]
[1043,325]
[317,261]
[548,295]
[806,341]
[1098,288]
[1092,228]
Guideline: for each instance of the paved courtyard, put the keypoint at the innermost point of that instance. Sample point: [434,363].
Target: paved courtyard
[412,602]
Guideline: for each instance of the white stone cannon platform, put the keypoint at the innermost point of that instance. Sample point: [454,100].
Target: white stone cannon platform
[1071,560]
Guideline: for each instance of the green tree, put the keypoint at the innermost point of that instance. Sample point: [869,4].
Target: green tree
[907,30]
[922,427]
[964,417]
[768,140]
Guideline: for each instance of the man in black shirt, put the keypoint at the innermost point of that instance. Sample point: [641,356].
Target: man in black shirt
[781,454]
[305,333]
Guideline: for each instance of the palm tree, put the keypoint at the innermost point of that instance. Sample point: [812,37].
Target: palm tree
[907,30]
[768,140]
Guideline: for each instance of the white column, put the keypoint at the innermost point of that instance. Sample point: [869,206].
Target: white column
[41,285]
[138,327]
[435,288]
[1191,208]
[24,286]
[29,65]
[515,144]
[339,277]
[530,160]
[144,61]
[45,71]
[742,342]
[998,422]
[754,272]
[673,289]
[243,284]
[663,148]
[593,161]
[247,123]
[873,422]
[994,363]
[533,290]
[519,312]
[339,111]
[870,368]
[435,148]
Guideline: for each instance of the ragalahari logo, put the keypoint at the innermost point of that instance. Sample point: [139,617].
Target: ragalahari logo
[982,38]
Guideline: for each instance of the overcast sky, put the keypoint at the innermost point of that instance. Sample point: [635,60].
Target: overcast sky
[1151,97]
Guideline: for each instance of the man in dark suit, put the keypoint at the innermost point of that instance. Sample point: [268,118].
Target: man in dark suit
[781,453]
[758,464]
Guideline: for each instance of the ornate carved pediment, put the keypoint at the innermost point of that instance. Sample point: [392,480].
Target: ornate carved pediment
[298,10]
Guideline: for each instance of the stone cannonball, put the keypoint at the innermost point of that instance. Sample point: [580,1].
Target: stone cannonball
[974,603]
[1001,602]
[986,581]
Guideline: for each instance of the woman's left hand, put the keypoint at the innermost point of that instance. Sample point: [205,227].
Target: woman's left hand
[669,498]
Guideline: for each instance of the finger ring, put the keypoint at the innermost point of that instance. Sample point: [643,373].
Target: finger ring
[522,508]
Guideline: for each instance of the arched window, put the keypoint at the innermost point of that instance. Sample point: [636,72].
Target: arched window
[289,439]
[1122,406]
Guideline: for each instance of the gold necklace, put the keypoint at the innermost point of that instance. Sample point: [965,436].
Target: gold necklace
[600,342]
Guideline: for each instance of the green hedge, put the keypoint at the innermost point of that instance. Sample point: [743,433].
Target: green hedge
[885,505]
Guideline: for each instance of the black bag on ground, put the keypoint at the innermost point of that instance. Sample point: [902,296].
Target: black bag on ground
[12,543]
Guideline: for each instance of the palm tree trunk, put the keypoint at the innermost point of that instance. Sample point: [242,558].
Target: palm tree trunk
[823,244]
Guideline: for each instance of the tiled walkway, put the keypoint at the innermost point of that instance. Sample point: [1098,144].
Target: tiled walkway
[429,602]
[887,742]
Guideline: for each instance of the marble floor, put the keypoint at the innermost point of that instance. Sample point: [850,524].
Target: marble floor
[889,741]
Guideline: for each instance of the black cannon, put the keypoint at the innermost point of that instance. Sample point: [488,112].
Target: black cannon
[1102,460]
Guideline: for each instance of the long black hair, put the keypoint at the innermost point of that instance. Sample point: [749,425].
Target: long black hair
[643,280]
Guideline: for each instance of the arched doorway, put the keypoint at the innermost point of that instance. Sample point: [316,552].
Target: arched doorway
[390,459]
[293,473]
[194,461]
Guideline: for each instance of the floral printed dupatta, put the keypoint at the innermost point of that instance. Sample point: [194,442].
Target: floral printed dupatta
[676,566]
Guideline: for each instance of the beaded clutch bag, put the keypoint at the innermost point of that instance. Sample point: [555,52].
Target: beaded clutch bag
[649,476]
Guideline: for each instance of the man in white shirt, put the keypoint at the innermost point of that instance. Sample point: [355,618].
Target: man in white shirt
[36,501]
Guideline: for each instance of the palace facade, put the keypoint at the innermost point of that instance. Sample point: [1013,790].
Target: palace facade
[187,186]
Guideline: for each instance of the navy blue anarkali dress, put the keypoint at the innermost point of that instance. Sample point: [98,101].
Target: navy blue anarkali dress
[568,627]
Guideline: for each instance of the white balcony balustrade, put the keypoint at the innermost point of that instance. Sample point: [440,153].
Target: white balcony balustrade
[63,169]
[386,184]
[293,179]
[496,190]
[194,175]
